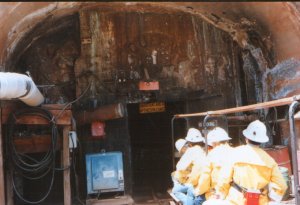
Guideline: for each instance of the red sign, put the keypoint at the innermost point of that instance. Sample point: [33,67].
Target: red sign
[97,129]
[152,85]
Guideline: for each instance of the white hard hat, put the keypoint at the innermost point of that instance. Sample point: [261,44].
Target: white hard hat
[179,144]
[217,134]
[194,135]
[257,132]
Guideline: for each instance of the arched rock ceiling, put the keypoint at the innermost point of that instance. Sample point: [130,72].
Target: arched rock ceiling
[278,22]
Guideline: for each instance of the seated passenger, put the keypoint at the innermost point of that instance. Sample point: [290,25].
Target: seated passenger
[218,156]
[252,177]
[179,177]
[191,162]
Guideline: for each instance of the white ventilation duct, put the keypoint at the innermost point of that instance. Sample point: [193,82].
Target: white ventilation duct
[15,85]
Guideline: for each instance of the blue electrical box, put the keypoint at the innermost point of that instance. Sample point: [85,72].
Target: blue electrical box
[104,172]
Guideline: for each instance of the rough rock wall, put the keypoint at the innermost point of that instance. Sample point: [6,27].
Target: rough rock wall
[181,51]
[282,80]
[279,22]
[50,59]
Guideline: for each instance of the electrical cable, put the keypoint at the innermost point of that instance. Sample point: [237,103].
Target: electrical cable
[74,127]
[61,112]
[54,118]
[271,124]
[70,103]
[26,165]
[75,174]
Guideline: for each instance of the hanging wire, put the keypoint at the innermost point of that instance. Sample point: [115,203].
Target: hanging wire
[271,123]
[70,103]
[24,164]
[29,167]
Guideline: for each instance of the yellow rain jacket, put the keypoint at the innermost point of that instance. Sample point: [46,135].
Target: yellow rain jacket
[191,156]
[182,175]
[185,164]
[217,157]
[251,168]
[202,178]
[189,169]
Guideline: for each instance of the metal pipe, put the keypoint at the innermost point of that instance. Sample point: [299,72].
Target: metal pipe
[107,112]
[19,86]
[294,146]
[274,103]
[205,132]
[245,118]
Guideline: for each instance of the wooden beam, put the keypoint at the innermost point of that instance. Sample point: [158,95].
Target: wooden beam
[2,187]
[64,118]
[35,144]
[56,107]
[274,103]
[66,163]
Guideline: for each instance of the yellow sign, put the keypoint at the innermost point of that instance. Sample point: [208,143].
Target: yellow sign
[152,107]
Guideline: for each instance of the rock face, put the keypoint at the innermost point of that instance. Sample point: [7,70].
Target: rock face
[179,50]
[282,80]
[182,45]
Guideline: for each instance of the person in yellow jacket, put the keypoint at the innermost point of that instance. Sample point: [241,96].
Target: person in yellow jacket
[219,155]
[251,173]
[190,163]
[179,177]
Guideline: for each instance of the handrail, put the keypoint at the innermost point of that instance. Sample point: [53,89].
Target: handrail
[273,103]
[294,146]
[205,127]
[173,142]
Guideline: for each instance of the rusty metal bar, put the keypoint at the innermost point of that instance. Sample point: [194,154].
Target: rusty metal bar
[107,112]
[205,132]
[274,103]
[244,118]
[294,146]
[173,143]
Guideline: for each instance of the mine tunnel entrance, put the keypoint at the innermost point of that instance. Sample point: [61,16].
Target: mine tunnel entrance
[151,150]
[98,57]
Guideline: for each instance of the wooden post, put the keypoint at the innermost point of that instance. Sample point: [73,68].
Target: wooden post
[9,188]
[66,163]
[2,188]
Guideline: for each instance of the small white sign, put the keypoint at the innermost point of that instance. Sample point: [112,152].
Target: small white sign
[121,175]
[208,124]
[109,174]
